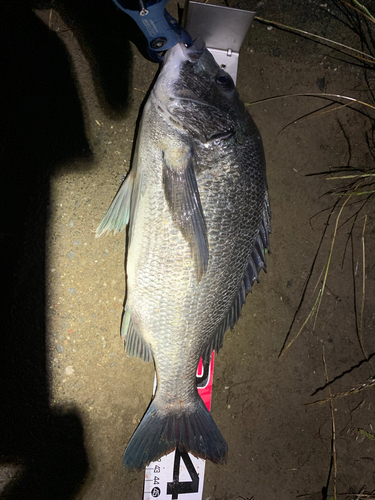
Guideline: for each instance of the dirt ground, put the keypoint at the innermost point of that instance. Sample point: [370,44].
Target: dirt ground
[73,397]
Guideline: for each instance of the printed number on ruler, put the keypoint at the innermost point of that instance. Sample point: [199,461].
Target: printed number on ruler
[176,487]
[180,475]
[173,475]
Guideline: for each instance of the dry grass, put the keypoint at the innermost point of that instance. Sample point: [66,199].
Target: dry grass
[352,186]
[358,182]
[334,454]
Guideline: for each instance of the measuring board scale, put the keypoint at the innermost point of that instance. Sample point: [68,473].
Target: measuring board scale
[179,473]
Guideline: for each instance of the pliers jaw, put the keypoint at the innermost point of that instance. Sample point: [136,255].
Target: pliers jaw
[161,30]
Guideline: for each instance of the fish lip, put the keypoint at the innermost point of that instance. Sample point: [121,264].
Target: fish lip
[194,52]
[190,53]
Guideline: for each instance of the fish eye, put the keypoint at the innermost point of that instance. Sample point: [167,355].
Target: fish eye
[225,82]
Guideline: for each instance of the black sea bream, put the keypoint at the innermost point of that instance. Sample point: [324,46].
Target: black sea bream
[196,205]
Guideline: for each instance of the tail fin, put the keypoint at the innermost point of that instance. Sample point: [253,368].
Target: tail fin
[160,433]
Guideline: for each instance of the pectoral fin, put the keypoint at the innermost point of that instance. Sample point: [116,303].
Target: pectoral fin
[117,216]
[182,195]
[124,207]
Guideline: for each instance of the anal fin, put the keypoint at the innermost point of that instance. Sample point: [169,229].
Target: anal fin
[134,343]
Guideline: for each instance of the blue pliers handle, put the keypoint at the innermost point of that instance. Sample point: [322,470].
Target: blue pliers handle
[161,30]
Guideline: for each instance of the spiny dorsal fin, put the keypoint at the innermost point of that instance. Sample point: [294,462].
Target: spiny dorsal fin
[256,263]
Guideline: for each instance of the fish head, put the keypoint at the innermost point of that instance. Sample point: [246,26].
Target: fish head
[198,96]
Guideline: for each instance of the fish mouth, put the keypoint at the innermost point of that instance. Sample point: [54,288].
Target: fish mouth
[180,52]
[171,100]
[165,89]
[195,51]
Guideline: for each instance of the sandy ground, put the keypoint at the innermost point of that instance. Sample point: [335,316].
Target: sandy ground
[73,397]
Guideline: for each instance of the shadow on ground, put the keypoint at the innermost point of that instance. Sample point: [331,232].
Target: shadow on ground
[41,127]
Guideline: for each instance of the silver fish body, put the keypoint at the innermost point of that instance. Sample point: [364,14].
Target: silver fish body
[197,208]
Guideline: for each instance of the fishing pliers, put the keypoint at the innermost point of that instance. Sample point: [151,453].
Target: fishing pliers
[161,30]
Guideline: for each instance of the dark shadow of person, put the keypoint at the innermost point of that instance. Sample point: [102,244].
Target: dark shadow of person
[41,127]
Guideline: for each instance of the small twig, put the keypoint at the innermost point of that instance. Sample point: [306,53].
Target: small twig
[321,112]
[318,37]
[363,10]
[303,326]
[350,193]
[50,18]
[367,434]
[349,177]
[329,258]
[333,431]
[355,308]
[360,494]
[317,283]
[311,94]
[312,267]
[363,289]
[354,390]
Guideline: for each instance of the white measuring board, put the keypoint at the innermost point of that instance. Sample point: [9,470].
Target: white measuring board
[181,475]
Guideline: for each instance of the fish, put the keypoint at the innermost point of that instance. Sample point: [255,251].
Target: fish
[196,210]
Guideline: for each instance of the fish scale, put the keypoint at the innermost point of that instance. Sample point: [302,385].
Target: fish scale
[197,206]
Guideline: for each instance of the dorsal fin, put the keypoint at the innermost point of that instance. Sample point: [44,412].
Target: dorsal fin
[256,263]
